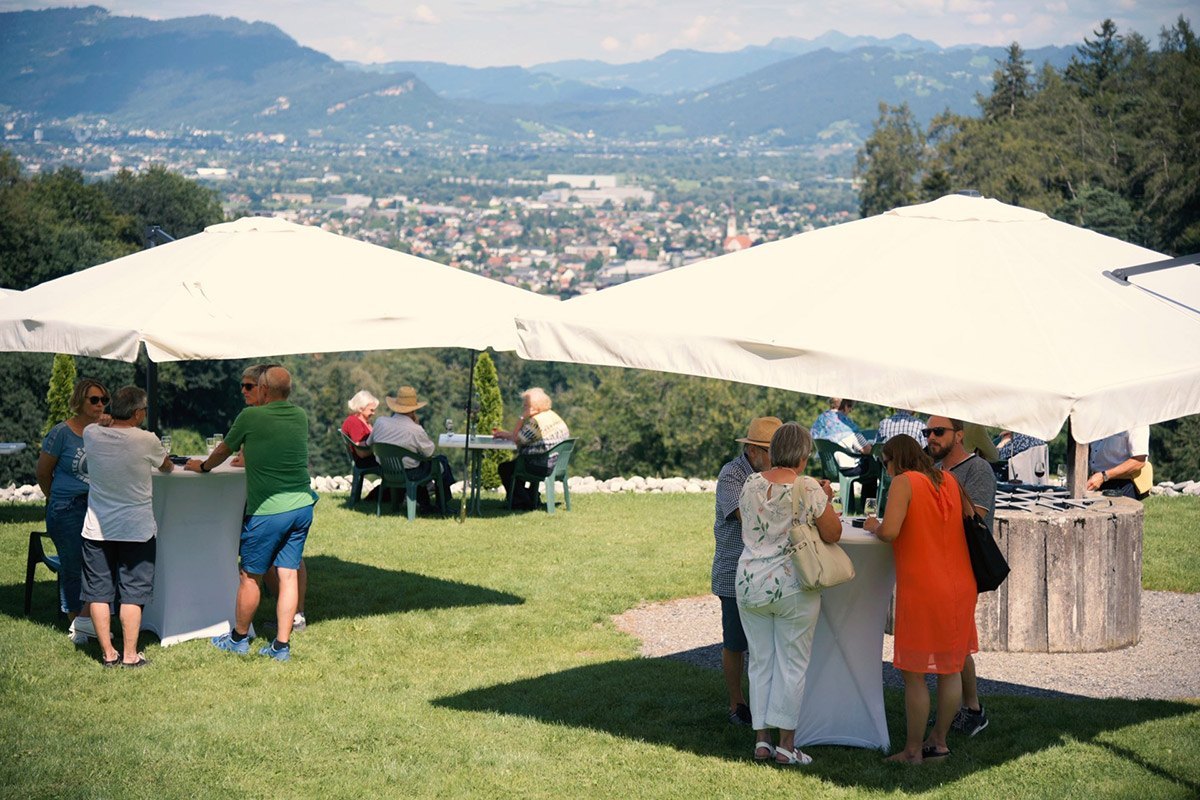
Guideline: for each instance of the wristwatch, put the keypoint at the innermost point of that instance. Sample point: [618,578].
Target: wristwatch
[204,467]
[1104,476]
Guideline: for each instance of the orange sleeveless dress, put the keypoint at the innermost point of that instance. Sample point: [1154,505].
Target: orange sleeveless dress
[935,587]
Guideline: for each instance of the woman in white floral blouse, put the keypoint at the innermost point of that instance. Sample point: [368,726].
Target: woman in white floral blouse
[778,617]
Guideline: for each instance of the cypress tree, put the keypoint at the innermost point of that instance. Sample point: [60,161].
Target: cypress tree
[491,415]
[58,396]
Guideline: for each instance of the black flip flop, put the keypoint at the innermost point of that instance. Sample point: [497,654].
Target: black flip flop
[931,753]
[141,662]
[116,662]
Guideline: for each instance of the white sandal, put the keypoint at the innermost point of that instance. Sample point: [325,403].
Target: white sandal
[793,757]
[770,748]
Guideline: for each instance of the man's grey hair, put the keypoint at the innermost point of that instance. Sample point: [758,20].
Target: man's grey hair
[126,402]
[791,446]
[277,381]
[361,400]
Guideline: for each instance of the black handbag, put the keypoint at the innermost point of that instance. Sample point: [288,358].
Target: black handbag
[987,562]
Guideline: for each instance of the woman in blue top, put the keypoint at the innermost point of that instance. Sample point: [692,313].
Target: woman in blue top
[63,477]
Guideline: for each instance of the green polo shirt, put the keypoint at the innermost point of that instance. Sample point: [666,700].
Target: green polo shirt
[275,438]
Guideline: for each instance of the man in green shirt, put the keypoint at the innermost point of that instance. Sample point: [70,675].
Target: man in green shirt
[279,507]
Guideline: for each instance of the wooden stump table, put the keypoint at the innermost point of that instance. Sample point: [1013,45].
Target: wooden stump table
[1076,580]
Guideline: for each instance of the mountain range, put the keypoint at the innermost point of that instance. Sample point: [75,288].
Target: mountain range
[226,74]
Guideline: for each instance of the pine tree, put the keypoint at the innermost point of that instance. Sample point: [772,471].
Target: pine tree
[890,161]
[58,396]
[491,415]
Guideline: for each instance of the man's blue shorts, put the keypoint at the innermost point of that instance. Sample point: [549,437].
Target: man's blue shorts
[733,636]
[274,540]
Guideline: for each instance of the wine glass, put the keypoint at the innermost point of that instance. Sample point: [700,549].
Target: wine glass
[211,443]
[166,443]
[836,500]
[871,506]
[449,425]
[1062,474]
[1039,470]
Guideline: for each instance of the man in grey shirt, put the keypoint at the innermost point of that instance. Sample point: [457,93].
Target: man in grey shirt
[945,437]
[727,531]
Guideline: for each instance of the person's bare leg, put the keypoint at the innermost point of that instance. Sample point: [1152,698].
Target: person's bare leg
[916,711]
[249,594]
[732,665]
[301,586]
[101,618]
[970,689]
[131,625]
[949,696]
[285,604]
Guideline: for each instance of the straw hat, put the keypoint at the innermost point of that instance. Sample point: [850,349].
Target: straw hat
[761,430]
[405,401]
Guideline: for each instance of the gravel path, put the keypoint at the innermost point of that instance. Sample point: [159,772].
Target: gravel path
[1165,664]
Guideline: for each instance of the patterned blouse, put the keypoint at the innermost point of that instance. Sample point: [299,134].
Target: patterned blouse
[765,571]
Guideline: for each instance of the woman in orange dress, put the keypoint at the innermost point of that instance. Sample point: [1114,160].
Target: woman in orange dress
[935,591]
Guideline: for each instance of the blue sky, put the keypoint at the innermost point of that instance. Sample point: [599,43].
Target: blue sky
[502,32]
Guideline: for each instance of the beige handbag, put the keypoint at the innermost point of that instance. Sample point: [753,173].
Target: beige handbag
[819,564]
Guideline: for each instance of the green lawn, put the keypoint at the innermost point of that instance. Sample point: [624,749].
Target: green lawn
[479,659]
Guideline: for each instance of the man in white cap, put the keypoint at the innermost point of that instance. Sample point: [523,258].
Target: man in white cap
[403,430]
[727,530]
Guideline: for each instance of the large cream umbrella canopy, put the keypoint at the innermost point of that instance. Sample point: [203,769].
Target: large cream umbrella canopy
[963,306]
[262,286]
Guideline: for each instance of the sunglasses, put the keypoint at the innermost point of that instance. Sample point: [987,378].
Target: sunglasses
[98,399]
[248,386]
[927,432]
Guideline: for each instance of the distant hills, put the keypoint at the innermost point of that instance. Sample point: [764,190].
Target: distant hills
[226,74]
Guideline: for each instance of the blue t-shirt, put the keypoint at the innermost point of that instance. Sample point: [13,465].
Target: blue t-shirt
[70,478]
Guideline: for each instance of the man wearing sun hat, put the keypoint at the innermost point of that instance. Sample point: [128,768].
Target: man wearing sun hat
[403,430]
[727,530]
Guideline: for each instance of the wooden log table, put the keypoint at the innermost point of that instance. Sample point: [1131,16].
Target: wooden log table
[1076,580]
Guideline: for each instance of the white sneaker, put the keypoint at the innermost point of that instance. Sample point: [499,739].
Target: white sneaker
[298,622]
[81,628]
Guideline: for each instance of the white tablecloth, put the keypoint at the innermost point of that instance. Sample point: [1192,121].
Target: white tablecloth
[195,576]
[843,693]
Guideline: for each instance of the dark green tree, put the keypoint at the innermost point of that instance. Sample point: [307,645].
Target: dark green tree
[890,161]
[58,395]
[489,416]
[1011,85]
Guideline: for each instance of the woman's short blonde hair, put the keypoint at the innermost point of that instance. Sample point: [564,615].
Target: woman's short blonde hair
[791,445]
[539,401]
[79,393]
[361,400]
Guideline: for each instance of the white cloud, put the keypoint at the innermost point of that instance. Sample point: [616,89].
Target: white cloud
[424,15]
[1008,19]
[693,32]
[610,44]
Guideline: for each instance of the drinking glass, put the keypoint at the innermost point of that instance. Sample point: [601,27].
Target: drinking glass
[218,437]
[871,507]
[1062,474]
[837,504]
[1039,470]
[212,444]
[166,443]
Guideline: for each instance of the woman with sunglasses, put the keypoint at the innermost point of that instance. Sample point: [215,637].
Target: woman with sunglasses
[62,476]
[935,591]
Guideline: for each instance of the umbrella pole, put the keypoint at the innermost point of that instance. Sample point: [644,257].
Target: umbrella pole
[462,511]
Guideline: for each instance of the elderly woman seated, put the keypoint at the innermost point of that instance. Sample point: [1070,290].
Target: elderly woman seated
[358,427]
[537,432]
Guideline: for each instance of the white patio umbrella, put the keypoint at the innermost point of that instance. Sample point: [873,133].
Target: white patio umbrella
[963,306]
[262,286]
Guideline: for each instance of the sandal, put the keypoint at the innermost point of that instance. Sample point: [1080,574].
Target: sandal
[141,662]
[116,662]
[770,748]
[793,757]
[931,753]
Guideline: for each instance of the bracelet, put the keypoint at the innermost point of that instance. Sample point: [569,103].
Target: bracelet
[204,467]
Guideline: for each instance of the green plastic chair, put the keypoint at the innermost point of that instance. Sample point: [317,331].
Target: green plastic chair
[395,475]
[37,555]
[357,473]
[885,480]
[559,456]
[826,449]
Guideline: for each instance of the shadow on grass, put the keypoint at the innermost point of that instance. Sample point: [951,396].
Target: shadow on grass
[666,702]
[342,589]
[339,590]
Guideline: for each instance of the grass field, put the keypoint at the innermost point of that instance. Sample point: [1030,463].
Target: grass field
[448,660]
